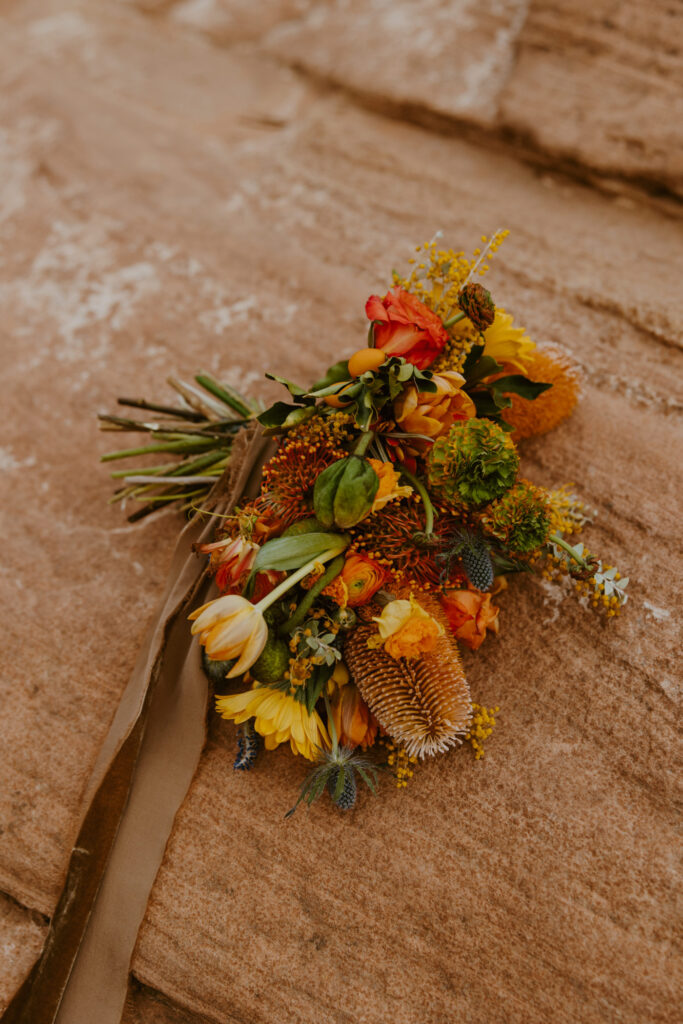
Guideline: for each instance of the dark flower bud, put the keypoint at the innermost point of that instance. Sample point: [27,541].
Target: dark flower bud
[476,303]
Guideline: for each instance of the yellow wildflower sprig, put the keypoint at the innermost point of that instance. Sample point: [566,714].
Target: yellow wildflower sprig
[483,723]
[399,763]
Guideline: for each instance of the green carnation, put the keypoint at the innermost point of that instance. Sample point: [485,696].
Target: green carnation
[521,519]
[474,464]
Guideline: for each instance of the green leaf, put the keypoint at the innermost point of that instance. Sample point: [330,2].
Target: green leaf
[471,360]
[369,782]
[315,684]
[484,367]
[517,384]
[489,405]
[294,389]
[334,375]
[281,417]
[339,786]
[286,553]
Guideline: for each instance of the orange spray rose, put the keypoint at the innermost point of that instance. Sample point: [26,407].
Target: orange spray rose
[406,327]
[470,613]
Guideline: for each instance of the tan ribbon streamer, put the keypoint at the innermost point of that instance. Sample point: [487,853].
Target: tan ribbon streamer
[141,777]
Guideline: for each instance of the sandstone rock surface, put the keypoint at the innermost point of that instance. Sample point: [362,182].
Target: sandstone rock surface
[177,199]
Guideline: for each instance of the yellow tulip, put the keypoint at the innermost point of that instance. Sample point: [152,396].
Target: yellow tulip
[231,627]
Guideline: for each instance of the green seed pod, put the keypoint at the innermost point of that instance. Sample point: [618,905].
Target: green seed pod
[344,492]
[303,526]
[273,662]
[345,618]
[216,671]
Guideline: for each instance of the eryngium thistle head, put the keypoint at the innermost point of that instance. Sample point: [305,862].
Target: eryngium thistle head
[520,519]
[476,303]
[474,464]
[423,704]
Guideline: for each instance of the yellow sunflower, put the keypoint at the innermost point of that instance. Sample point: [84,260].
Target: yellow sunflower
[508,344]
[278,717]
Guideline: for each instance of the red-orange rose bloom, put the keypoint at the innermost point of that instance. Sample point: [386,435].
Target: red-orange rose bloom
[406,327]
[363,577]
[470,613]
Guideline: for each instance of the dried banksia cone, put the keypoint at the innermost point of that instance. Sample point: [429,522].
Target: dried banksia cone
[424,704]
[552,366]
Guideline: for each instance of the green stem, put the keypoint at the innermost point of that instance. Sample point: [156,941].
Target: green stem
[426,500]
[364,442]
[331,573]
[276,594]
[562,543]
[228,395]
[455,319]
[191,445]
[330,725]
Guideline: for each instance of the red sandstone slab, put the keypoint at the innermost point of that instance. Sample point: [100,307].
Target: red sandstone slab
[156,219]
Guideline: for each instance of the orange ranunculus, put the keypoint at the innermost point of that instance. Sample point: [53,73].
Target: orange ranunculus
[363,577]
[433,414]
[389,487]
[354,721]
[404,326]
[470,613]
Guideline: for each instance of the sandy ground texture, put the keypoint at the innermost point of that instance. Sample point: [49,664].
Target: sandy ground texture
[220,185]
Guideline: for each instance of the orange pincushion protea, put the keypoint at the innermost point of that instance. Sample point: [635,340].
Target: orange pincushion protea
[552,365]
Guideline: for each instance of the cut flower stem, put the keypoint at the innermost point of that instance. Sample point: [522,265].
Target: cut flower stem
[426,500]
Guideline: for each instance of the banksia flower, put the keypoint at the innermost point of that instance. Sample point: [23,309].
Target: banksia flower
[424,704]
[474,464]
[477,305]
[521,518]
[550,365]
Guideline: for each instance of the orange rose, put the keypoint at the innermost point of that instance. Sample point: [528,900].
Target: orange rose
[355,723]
[404,326]
[363,577]
[406,629]
[470,613]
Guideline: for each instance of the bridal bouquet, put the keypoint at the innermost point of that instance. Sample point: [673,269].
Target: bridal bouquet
[390,517]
